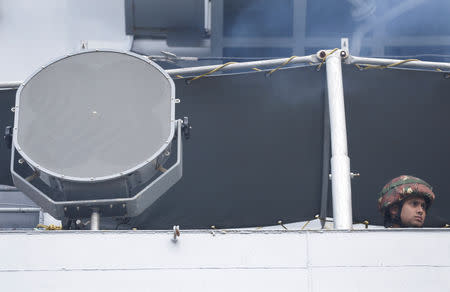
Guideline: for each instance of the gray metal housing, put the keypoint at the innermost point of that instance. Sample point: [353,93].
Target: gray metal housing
[124,206]
[16,209]
[87,140]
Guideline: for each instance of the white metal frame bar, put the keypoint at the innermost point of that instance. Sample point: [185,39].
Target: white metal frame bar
[340,162]
[20,210]
[276,62]
[243,65]
[410,65]
[10,84]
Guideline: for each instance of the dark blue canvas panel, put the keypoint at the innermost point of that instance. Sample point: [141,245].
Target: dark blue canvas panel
[7,99]
[255,156]
[397,123]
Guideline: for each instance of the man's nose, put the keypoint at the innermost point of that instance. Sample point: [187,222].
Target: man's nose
[420,210]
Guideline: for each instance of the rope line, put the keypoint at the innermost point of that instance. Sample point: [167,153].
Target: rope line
[281,66]
[255,69]
[212,71]
[307,222]
[49,227]
[359,66]
[368,66]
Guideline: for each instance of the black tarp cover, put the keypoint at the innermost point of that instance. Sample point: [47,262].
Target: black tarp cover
[256,154]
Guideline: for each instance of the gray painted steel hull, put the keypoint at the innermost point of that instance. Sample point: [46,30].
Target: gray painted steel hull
[250,260]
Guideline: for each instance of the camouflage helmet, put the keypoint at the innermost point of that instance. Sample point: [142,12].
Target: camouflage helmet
[401,187]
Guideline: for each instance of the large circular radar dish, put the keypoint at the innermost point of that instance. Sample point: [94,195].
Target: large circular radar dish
[95,115]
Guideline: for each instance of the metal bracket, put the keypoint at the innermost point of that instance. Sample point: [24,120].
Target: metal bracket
[186,128]
[352,175]
[176,233]
[8,136]
[131,206]
[344,45]
[345,50]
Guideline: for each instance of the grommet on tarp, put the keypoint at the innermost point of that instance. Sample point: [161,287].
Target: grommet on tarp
[366,223]
[282,225]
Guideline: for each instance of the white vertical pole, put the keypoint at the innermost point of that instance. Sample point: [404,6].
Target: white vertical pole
[340,163]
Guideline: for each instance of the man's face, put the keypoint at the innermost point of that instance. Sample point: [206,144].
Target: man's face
[413,212]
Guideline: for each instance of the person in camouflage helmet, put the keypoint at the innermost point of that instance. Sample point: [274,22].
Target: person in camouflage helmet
[404,201]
